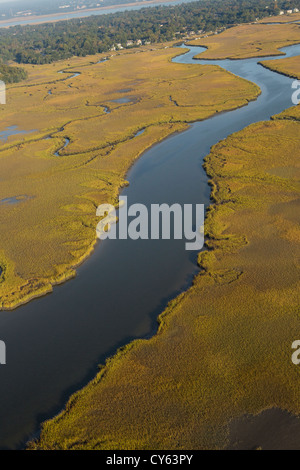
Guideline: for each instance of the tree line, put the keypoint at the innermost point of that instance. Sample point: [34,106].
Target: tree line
[46,43]
[12,74]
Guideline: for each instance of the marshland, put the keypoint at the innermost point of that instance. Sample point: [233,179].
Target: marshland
[223,344]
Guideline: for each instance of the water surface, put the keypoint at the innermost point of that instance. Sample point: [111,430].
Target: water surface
[122,100]
[13,200]
[55,343]
[83,13]
[12,130]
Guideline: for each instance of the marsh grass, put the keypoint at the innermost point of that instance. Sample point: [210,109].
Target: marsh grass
[223,348]
[44,238]
[250,40]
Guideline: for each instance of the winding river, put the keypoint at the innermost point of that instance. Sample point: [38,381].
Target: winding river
[55,343]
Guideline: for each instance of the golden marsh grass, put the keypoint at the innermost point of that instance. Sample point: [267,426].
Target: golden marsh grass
[44,238]
[223,348]
[250,40]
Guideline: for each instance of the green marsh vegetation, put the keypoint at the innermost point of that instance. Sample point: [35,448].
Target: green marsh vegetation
[223,349]
[251,40]
[45,237]
[45,43]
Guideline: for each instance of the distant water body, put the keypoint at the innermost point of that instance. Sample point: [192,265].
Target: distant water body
[86,13]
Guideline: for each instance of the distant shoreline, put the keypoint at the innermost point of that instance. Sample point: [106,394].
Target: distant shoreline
[36,19]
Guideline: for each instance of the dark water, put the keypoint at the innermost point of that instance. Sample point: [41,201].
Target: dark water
[66,143]
[55,343]
[14,200]
[76,74]
[12,130]
[122,100]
